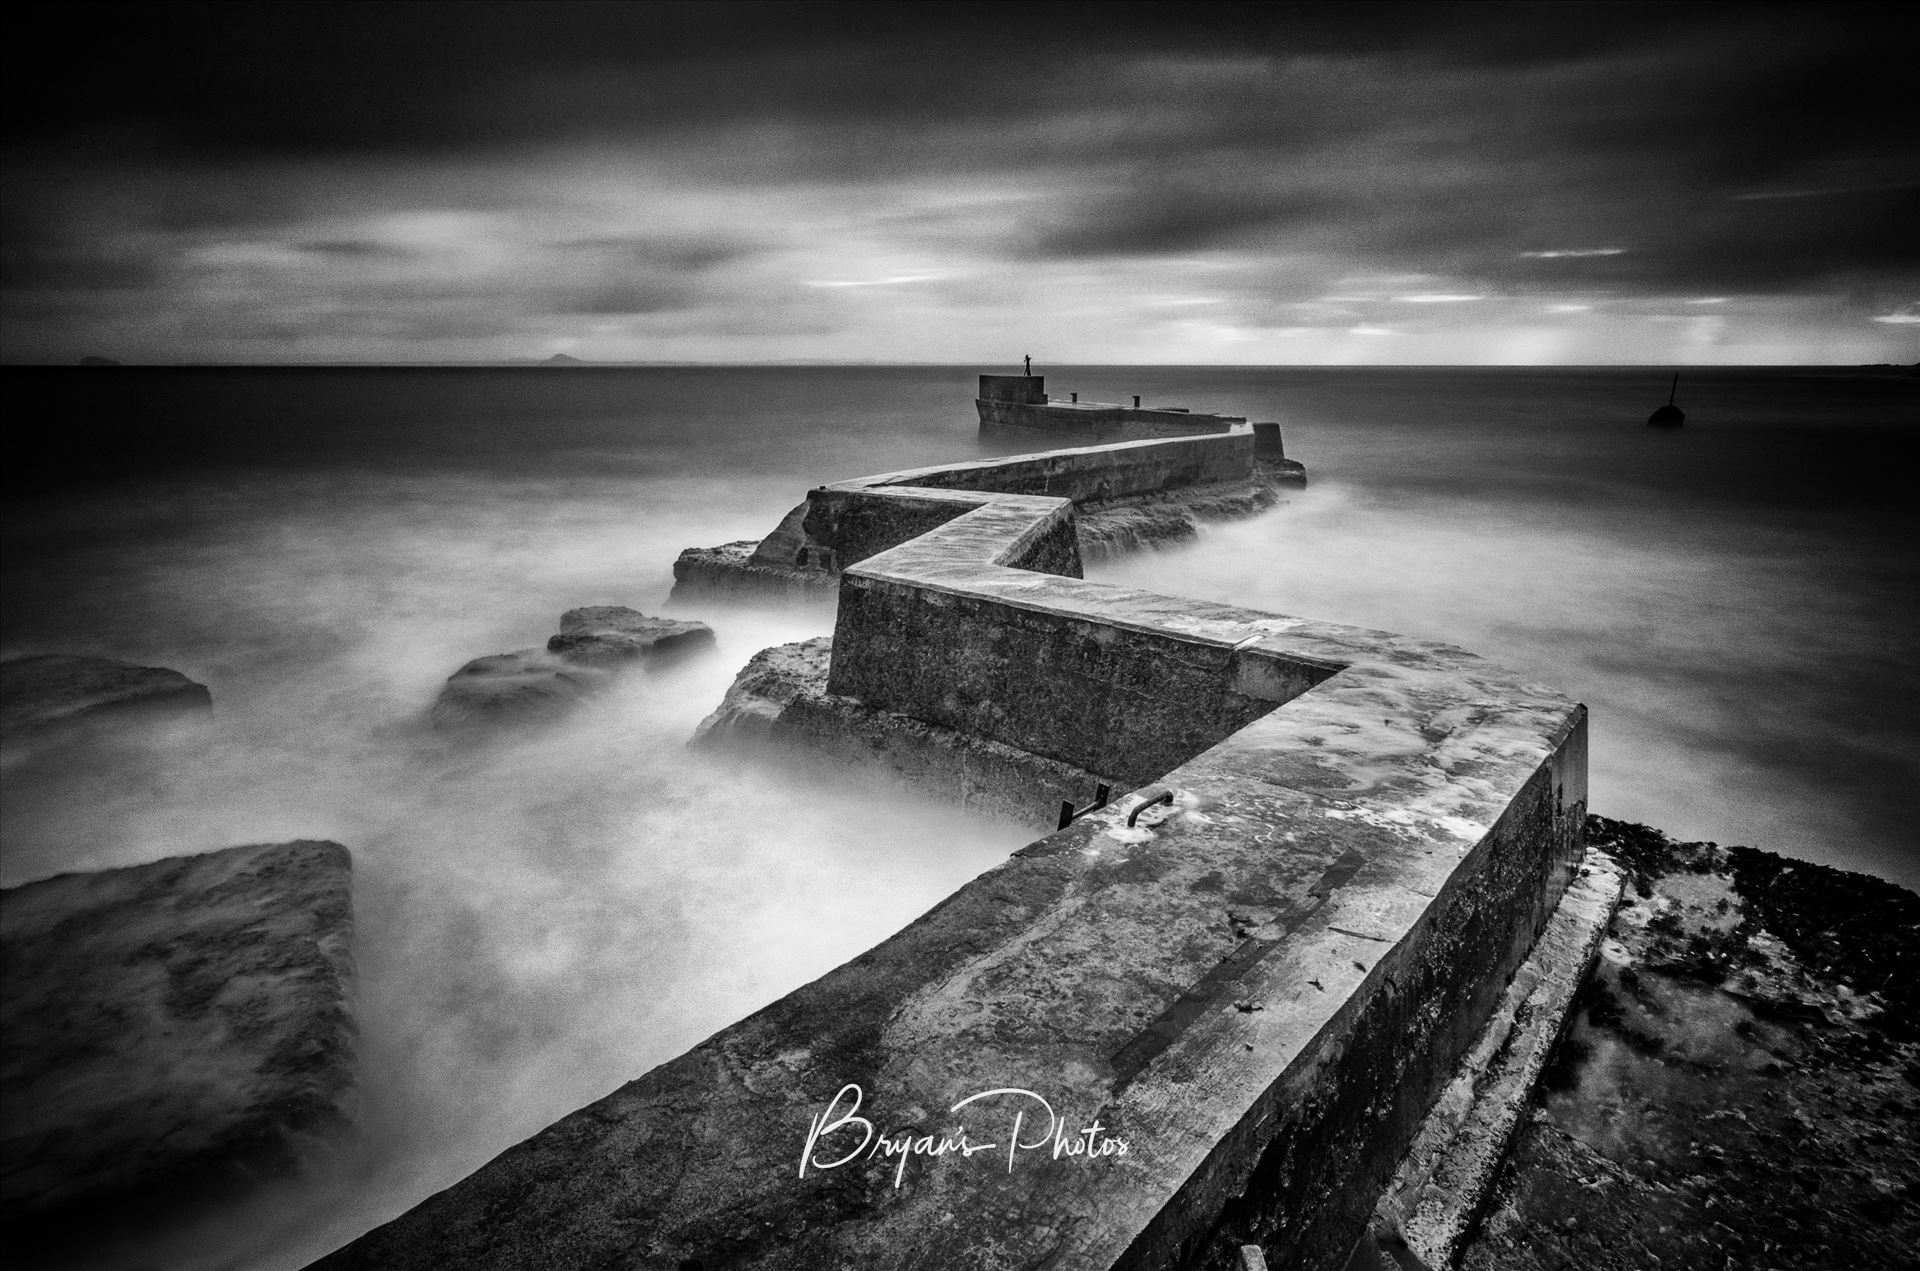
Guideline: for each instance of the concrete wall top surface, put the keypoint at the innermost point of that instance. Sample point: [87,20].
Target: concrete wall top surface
[1090,473]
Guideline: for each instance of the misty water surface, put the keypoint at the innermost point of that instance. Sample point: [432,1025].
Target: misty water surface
[543,918]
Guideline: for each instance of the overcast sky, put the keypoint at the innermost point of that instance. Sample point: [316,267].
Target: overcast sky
[1245,184]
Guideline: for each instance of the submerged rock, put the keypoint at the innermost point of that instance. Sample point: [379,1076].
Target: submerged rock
[594,644]
[172,1030]
[502,688]
[613,633]
[53,692]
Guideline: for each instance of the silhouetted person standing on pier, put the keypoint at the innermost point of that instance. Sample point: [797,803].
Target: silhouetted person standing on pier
[1028,359]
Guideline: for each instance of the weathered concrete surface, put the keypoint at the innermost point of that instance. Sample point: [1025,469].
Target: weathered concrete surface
[1737,1087]
[780,699]
[1102,421]
[1105,679]
[1262,989]
[1251,992]
[172,1029]
[1445,1178]
[1125,497]
[52,692]
[593,644]
[1086,474]
[1021,401]
[1028,388]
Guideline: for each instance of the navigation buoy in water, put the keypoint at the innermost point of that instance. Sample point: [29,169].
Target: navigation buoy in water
[1668,416]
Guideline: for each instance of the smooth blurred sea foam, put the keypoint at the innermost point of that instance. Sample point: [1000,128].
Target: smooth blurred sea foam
[545,917]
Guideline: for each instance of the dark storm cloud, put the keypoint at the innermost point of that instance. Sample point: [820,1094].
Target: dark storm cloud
[1434,159]
[327,77]
[32,259]
[1151,222]
[286,77]
[586,161]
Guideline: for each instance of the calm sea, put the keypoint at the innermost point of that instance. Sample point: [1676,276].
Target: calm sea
[544,918]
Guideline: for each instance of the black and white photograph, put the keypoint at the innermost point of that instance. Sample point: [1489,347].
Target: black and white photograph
[786,636]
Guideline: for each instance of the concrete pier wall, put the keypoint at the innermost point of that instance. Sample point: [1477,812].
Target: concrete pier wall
[848,521]
[1073,671]
[1021,401]
[1258,986]
[1124,495]
[780,702]
[1094,474]
[1099,419]
[1013,388]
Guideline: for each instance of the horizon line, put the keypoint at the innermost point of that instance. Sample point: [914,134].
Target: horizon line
[573,363]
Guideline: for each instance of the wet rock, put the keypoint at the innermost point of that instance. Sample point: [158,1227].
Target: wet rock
[173,1030]
[594,644]
[771,680]
[603,634]
[731,572]
[53,692]
[519,687]
[1736,1087]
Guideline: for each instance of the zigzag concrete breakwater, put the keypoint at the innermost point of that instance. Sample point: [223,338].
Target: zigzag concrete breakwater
[1124,497]
[1259,989]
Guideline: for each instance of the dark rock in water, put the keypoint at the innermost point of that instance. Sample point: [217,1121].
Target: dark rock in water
[51,691]
[173,1030]
[771,679]
[594,644]
[501,688]
[1737,1086]
[602,634]
[732,571]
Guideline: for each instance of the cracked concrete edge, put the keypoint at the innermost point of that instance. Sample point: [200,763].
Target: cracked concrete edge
[1446,1175]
